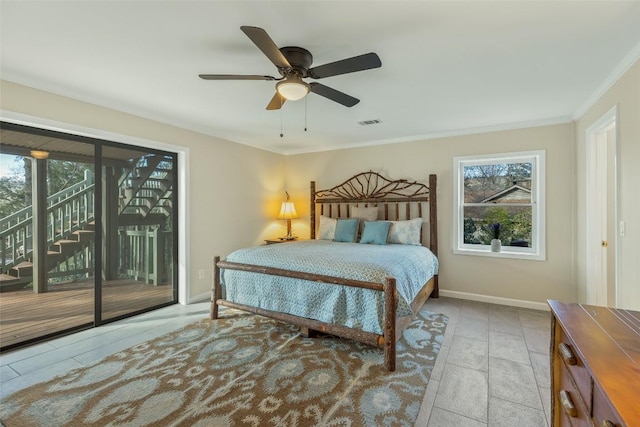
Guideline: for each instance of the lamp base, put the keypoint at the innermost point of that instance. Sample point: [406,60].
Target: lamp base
[289,236]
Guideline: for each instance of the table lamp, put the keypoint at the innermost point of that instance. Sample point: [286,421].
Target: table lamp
[288,212]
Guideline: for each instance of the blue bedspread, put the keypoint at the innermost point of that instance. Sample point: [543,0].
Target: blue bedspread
[411,266]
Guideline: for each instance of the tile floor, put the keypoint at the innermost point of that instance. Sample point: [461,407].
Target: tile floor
[493,367]
[492,370]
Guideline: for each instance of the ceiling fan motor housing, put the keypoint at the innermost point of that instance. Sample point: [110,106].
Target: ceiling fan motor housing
[299,58]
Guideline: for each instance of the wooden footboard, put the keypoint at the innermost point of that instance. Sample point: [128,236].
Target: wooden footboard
[429,289]
[387,341]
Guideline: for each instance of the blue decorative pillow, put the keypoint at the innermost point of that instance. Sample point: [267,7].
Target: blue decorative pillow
[375,232]
[346,230]
[364,214]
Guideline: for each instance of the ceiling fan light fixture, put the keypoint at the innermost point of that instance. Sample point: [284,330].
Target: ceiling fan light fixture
[292,88]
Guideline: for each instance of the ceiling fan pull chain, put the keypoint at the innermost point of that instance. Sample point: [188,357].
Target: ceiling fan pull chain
[305,113]
[281,132]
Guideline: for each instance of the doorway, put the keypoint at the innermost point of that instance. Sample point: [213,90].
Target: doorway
[602,213]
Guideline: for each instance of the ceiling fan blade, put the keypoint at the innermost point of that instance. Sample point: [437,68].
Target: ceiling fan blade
[276,102]
[234,77]
[261,39]
[349,65]
[334,95]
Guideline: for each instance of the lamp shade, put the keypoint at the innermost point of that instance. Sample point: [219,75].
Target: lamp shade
[39,154]
[288,211]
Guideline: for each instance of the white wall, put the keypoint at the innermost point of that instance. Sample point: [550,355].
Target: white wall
[625,94]
[522,280]
[233,190]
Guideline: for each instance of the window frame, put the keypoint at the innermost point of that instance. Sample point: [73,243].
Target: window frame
[537,251]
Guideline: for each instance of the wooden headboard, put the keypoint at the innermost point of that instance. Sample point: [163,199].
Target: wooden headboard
[400,199]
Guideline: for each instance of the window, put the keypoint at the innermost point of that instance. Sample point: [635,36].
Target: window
[503,192]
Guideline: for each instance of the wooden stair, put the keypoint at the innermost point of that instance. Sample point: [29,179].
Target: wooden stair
[145,194]
[22,270]
[11,283]
[60,250]
[148,188]
[7,279]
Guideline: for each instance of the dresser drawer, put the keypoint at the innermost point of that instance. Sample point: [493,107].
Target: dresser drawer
[603,415]
[595,366]
[572,404]
[575,367]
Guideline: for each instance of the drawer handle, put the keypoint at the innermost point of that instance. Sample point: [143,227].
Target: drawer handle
[567,404]
[607,423]
[567,354]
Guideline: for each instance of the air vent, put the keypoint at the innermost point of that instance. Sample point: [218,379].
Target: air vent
[369,122]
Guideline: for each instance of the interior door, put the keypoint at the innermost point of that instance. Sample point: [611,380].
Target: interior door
[601,212]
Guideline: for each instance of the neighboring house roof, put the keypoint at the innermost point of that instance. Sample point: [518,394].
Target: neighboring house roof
[515,193]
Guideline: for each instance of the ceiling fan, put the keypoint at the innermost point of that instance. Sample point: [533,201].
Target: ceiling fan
[293,64]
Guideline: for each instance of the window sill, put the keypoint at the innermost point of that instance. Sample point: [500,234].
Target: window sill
[504,253]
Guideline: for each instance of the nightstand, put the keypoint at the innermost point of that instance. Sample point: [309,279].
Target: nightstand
[274,241]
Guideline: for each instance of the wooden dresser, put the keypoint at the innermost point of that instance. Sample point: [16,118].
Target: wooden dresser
[595,366]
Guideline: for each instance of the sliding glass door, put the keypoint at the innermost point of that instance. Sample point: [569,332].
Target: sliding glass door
[87,232]
[47,234]
[138,222]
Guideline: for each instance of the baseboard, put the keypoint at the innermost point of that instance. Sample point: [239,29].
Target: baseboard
[495,300]
[452,294]
[206,296]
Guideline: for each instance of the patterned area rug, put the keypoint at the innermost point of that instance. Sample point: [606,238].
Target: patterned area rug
[242,370]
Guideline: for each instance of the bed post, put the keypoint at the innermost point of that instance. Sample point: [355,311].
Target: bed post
[215,290]
[390,324]
[312,214]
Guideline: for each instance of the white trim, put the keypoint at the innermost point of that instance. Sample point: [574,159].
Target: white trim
[505,252]
[184,230]
[184,269]
[605,122]
[537,251]
[611,79]
[495,300]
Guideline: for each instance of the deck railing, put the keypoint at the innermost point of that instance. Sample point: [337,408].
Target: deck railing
[141,257]
[141,253]
[67,211]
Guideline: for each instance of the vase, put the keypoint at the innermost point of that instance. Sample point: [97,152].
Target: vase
[495,245]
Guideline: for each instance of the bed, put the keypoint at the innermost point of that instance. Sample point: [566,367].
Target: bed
[364,292]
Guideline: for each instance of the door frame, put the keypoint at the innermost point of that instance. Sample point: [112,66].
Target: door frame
[597,294]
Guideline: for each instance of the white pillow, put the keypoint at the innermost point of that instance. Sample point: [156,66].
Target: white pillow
[327,228]
[406,232]
[364,214]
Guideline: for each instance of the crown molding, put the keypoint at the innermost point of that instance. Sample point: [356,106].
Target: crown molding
[615,75]
[447,134]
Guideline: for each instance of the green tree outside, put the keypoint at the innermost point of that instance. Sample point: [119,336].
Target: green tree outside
[15,180]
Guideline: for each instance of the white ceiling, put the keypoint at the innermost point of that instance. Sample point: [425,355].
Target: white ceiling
[447,66]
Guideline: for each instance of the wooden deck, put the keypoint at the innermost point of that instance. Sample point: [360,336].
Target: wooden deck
[25,315]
